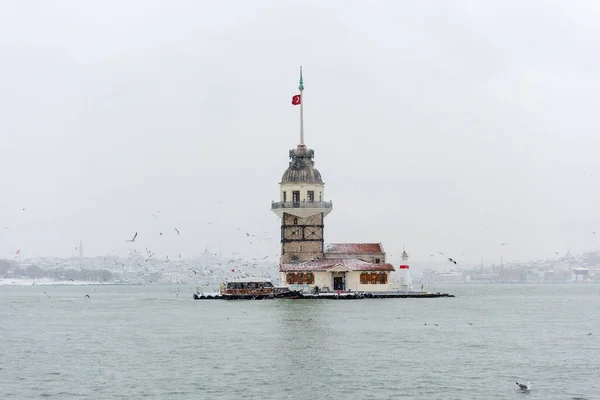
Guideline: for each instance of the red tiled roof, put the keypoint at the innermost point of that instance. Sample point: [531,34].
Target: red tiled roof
[353,264]
[353,248]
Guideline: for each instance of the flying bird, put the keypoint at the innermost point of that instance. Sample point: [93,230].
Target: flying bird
[451,260]
[133,240]
[503,244]
[177,230]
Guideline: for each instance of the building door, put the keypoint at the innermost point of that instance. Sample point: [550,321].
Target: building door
[338,283]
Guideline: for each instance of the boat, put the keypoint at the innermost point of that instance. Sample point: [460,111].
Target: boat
[253,289]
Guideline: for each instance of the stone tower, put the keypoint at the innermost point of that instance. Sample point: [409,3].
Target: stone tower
[301,207]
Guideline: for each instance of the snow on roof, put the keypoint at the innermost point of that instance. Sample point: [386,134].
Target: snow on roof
[353,248]
[249,279]
[352,264]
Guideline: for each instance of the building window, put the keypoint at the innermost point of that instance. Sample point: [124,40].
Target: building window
[284,197]
[310,196]
[300,278]
[320,197]
[296,196]
[373,278]
[295,221]
[377,260]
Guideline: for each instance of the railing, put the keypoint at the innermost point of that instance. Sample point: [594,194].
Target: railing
[301,204]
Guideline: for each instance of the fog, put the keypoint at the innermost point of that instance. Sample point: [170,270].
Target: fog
[445,127]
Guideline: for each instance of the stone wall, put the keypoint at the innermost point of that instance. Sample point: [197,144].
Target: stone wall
[296,248]
[368,257]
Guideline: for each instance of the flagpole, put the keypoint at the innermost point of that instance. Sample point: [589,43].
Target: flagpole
[301,88]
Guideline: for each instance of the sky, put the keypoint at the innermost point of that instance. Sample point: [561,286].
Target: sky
[440,126]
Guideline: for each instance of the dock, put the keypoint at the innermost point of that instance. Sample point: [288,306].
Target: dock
[330,296]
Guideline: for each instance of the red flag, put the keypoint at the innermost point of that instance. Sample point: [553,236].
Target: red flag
[233,270]
[296,100]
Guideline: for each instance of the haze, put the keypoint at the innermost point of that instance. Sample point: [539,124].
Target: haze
[443,126]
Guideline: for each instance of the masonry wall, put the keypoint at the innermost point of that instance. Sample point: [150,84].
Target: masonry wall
[300,251]
[302,238]
[367,257]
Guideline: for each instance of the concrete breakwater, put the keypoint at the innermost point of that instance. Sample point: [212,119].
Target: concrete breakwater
[327,296]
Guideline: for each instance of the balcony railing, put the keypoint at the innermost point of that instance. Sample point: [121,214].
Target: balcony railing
[301,204]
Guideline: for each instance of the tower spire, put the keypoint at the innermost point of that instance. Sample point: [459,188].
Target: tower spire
[301,88]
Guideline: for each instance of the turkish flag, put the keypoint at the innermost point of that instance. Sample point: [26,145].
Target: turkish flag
[296,100]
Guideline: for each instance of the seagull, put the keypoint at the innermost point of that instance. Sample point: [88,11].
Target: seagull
[526,386]
[132,240]
[87,295]
[451,260]
[503,244]
[177,230]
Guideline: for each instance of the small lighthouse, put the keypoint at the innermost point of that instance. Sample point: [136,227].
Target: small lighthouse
[405,278]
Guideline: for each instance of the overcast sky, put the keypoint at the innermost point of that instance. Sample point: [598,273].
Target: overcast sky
[444,126]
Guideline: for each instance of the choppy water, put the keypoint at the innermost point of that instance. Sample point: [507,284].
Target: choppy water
[133,342]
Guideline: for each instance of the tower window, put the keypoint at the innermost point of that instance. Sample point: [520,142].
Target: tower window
[296,196]
[284,197]
[310,196]
[377,260]
[320,197]
[295,221]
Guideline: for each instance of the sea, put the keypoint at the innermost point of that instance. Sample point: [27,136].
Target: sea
[156,342]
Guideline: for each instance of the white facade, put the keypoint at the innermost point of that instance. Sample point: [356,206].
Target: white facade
[325,279]
[287,189]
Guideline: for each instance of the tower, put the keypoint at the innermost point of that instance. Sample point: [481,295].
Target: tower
[301,207]
[405,272]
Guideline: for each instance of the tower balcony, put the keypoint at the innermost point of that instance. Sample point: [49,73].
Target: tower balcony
[301,209]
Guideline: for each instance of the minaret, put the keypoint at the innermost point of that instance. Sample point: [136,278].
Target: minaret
[301,206]
[80,253]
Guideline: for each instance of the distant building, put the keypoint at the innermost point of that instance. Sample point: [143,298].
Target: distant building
[580,275]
